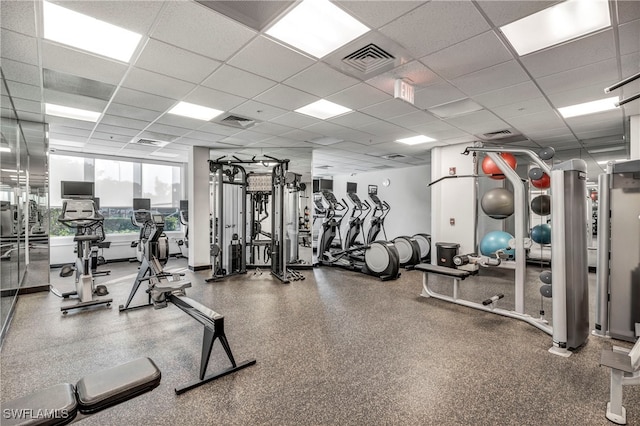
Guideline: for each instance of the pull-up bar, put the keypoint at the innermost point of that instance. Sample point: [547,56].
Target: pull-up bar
[622,83]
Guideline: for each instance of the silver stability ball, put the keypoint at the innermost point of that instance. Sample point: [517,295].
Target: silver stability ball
[497,203]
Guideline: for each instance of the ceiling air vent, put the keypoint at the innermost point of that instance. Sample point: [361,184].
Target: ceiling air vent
[369,58]
[151,143]
[502,136]
[394,156]
[236,121]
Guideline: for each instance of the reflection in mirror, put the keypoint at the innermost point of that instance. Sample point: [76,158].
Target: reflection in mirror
[24,235]
[295,210]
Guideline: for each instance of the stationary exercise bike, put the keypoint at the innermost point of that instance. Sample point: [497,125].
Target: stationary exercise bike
[378,258]
[82,216]
[148,243]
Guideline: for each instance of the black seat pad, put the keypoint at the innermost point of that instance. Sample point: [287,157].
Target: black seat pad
[109,387]
[55,405]
[442,270]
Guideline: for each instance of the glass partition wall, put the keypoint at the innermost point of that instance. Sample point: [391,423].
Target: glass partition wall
[24,234]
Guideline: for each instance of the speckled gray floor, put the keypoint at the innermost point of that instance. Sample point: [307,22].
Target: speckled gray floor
[338,348]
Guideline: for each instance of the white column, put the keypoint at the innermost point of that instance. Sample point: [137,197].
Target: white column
[453,201]
[198,177]
[634,131]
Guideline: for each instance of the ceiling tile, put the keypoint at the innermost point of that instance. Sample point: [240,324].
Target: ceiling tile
[493,78]
[301,135]
[286,97]
[150,82]
[128,111]
[433,127]
[576,78]
[295,120]
[577,96]
[471,55]
[359,96]
[24,91]
[123,122]
[321,80]
[527,107]
[376,14]
[213,99]
[629,37]
[628,10]
[186,123]
[18,47]
[142,100]
[274,61]
[271,128]
[389,109]
[505,12]
[64,130]
[137,16]
[353,119]
[437,94]
[18,16]
[384,129]
[600,132]
[167,129]
[59,58]
[436,25]
[478,122]
[258,111]
[68,122]
[116,130]
[536,122]
[209,34]
[202,136]
[19,71]
[574,54]
[99,136]
[218,129]
[505,96]
[416,118]
[234,80]
[175,62]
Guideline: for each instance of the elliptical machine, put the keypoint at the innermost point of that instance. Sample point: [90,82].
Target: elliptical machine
[378,258]
[408,247]
[356,220]
[146,245]
[82,216]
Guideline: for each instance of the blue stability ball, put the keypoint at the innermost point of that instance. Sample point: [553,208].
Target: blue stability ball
[541,234]
[494,241]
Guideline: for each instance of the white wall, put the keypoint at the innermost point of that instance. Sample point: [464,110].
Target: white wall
[453,199]
[408,195]
[62,247]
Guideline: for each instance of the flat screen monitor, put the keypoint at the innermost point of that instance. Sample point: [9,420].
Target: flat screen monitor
[142,204]
[352,187]
[326,184]
[76,189]
[184,205]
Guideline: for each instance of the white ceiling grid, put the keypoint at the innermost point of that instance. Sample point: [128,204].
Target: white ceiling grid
[455,50]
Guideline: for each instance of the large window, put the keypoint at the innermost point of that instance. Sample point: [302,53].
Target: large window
[117,183]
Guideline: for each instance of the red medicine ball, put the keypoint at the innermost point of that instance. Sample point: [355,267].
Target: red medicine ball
[543,183]
[490,168]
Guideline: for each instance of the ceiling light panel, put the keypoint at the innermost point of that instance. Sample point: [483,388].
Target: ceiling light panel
[84,32]
[317,27]
[557,24]
[73,113]
[323,109]
[415,140]
[198,112]
[589,107]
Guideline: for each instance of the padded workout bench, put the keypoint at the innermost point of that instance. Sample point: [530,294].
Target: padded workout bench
[625,371]
[427,268]
[60,404]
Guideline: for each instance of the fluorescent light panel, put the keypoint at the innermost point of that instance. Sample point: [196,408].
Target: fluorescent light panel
[69,112]
[415,140]
[323,109]
[84,32]
[611,161]
[4,149]
[557,24]
[589,107]
[198,112]
[317,27]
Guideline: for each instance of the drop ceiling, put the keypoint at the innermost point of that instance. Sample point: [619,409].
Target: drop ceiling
[217,54]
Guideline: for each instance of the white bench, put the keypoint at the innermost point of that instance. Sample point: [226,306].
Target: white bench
[625,371]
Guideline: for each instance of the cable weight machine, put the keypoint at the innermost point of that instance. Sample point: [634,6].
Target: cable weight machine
[234,191]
